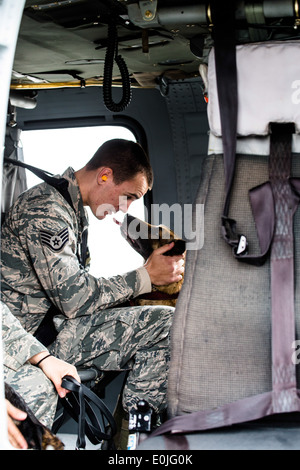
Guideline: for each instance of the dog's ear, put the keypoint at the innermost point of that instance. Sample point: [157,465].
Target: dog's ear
[178,248]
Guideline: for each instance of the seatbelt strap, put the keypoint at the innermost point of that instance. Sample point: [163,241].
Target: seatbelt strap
[61,184]
[261,197]
[282,270]
[223,15]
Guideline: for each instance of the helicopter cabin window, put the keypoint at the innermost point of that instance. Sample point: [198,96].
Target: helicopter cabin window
[54,150]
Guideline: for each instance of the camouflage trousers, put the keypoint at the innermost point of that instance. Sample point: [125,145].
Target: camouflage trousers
[36,389]
[134,338]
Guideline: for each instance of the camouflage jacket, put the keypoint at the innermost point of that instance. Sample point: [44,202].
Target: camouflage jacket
[18,345]
[39,263]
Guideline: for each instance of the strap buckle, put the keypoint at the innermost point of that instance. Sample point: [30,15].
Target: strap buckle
[242,246]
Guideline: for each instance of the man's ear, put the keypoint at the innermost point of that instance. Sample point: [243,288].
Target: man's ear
[104,174]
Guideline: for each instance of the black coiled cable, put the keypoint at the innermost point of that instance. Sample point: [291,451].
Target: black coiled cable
[111,55]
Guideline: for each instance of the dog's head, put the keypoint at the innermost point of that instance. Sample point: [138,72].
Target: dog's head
[145,238]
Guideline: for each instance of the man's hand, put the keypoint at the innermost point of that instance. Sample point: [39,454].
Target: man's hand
[162,269]
[15,437]
[55,369]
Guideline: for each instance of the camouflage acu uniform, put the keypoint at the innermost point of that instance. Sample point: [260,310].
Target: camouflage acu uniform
[28,380]
[39,265]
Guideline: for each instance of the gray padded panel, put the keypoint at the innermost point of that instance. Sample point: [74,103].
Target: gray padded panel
[221,332]
[253,437]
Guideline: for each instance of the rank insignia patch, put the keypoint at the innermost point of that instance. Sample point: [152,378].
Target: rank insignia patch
[55,241]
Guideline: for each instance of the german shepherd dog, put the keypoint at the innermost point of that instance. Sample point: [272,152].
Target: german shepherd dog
[37,436]
[145,238]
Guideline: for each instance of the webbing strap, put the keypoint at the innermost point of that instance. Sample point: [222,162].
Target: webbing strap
[89,411]
[282,270]
[223,14]
[61,184]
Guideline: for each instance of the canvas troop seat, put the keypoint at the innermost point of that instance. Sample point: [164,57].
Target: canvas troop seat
[234,374]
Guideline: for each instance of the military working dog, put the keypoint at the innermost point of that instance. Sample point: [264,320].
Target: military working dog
[145,238]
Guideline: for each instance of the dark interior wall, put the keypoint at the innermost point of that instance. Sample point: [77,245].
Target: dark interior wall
[173,128]
[146,115]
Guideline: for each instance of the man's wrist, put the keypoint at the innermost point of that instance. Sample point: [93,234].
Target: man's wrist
[145,281]
[37,358]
